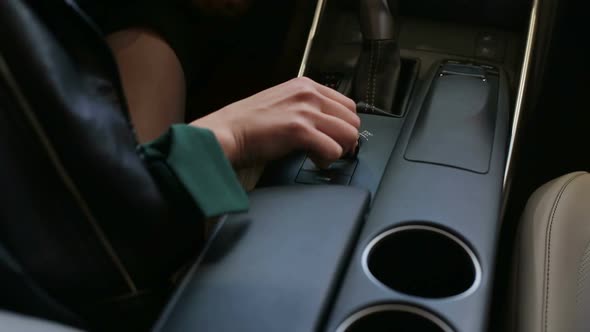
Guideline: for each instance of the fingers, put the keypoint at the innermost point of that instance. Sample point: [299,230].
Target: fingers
[328,111]
[322,149]
[325,137]
[339,130]
[331,102]
[336,96]
[307,84]
[338,110]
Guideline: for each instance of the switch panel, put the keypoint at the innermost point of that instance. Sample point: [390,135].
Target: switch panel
[341,166]
[322,177]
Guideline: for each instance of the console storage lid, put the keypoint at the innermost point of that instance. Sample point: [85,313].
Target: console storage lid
[275,268]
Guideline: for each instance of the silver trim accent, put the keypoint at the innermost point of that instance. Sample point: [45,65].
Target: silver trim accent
[393,307]
[68,181]
[376,240]
[319,9]
[524,74]
[521,88]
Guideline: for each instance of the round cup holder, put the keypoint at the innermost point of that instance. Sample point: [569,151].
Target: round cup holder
[393,317]
[422,261]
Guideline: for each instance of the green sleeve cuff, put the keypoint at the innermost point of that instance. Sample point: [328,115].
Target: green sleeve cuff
[193,159]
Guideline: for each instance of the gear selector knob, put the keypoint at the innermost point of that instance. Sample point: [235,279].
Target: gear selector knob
[376,19]
[378,68]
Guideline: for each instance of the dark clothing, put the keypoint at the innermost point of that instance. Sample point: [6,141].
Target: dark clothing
[185,156]
[90,220]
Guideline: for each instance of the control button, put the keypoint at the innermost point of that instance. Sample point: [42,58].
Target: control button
[353,154]
[486,51]
[322,177]
[340,166]
[489,45]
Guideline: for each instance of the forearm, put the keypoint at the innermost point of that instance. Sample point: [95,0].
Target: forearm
[153,81]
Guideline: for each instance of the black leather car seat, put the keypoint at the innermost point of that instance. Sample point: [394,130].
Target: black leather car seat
[80,212]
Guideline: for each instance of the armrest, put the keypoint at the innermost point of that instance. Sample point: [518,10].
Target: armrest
[275,268]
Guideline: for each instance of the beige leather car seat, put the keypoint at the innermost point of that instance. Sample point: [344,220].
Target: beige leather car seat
[552,271]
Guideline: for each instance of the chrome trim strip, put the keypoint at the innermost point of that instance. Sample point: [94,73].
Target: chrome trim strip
[524,74]
[472,256]
[393,307]
[319,9]
[63,174]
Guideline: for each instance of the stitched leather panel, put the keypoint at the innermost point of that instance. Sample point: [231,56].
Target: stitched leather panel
[553,241]
[377,76]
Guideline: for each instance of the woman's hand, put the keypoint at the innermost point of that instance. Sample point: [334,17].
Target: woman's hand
[297,115]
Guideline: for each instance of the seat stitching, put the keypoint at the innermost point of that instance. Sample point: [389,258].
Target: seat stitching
[548,246]
[583,272]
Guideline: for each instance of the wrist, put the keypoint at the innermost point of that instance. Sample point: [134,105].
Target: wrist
[228,144]
[226,139]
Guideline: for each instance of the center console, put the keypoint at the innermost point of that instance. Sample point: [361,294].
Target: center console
[404,236]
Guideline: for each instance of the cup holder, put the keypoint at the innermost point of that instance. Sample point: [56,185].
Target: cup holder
[422,261]
[393,317]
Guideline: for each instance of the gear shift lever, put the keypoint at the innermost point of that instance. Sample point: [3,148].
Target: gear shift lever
[378,69]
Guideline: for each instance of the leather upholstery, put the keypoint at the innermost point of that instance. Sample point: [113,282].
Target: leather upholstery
[553,258]
[378,69]
[80,212]
[377,76]
[22,294]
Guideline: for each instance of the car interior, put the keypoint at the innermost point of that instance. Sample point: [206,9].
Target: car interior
[465,209]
